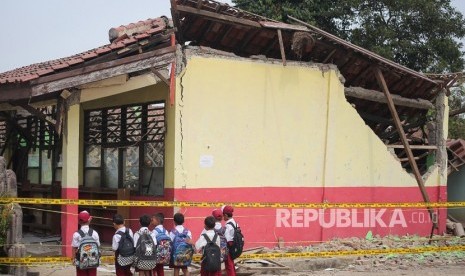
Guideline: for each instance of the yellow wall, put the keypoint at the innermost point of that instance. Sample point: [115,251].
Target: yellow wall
[256,124]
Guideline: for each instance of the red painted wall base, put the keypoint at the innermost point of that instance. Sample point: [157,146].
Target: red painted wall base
[263,226]
[69,221]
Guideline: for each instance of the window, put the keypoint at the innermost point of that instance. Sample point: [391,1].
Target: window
[125,148]
[42,150]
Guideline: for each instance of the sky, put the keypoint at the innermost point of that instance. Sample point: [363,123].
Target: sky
[39,30]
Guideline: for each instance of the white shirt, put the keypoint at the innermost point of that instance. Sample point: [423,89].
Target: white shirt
[137,235]
[229,230]
[201,242]
[180,229]
[218,227]
[77,237]
[160,227]
[117,237]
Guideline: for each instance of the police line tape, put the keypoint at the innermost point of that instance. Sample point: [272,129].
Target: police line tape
[146,203]
[323,254]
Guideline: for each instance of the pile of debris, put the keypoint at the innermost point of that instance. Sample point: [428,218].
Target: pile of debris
[390,261]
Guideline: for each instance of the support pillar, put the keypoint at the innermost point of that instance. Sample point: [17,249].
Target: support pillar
[441,129]
[72,174]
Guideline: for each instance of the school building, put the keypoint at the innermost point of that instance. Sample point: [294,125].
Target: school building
[220,105]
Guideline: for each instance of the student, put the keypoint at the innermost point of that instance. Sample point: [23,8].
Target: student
[84,219]
[118,224]
[202,242]
[180,229]
[144,229]
[157,221]
[217,214]
[229,235]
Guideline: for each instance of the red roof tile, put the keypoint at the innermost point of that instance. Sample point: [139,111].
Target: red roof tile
[128,35]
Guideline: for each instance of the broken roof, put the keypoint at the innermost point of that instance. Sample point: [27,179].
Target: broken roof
[220,26]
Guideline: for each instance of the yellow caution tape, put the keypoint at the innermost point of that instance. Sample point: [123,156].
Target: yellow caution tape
[140,203]
[324,254]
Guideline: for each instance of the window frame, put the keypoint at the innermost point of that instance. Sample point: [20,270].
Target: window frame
[140,124]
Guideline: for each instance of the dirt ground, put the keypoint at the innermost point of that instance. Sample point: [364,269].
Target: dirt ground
[435,262]
[455,269]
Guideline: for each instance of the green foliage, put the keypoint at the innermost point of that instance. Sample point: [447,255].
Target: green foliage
[420,34]
[457,123]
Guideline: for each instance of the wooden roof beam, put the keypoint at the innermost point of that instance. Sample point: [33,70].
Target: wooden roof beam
[413,164]
[73,78]
[377,96]
[218,17]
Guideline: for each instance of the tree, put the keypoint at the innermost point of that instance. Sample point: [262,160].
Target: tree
[420,34]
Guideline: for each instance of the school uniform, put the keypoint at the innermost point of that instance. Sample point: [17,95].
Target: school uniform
[137,236]
[218,228]
[229,235]
[159,269]
[120,270]
[180,229]
[201,243]
[75,244]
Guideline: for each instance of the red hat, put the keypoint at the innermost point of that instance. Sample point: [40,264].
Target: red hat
[217,213]
[228,210]
[84,216]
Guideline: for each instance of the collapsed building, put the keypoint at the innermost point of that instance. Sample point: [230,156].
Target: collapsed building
[220,105]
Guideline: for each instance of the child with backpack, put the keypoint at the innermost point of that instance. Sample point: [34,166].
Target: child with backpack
[145,244]
[123,245]
[182,251]
[164,244]
[234,238]
[219,229]
[209,245]
[86,247]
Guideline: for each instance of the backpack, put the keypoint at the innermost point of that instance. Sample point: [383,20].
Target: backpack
[235,250]
[223,244]
[182,252]
[88,252]
[211,258]
[145,257]
[164,245]
[126,249]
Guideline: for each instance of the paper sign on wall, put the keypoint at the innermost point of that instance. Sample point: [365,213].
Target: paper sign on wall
[206,161]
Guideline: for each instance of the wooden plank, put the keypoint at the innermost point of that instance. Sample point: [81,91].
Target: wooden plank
[176,22]
[101,66]
[329,56]
[422,147]
[37,113]
[366,53]
[15,93]
[377,96]
[283,26]
[403,138]
[281,47]
[218,17]
[160,76]
[72,81]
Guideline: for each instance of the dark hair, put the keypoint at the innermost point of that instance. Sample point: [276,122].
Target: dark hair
[160,217]
[210,222]
[145,221]
[178,218]
[118,219]
[228,215]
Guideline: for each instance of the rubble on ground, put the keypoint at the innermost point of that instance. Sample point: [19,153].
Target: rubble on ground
[365,263]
